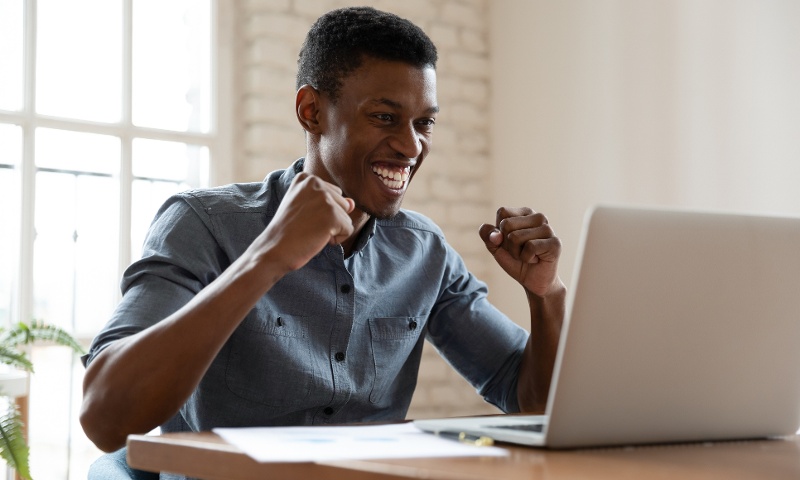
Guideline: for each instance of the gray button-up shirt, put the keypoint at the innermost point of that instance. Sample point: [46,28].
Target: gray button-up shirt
[336,341]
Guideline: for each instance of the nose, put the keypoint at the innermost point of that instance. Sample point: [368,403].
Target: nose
[407,141]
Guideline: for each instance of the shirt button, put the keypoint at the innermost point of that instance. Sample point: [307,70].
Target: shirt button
[328,411]
[345,288]
[339,356]
[412,325]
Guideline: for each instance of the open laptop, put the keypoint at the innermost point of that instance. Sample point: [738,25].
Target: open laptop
[680,326]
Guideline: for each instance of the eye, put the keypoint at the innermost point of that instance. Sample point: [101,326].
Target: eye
[384,117]
[426,123]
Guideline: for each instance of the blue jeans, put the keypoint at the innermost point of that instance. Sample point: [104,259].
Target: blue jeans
[113,466]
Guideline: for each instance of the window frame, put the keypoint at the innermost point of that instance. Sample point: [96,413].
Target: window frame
[218,140]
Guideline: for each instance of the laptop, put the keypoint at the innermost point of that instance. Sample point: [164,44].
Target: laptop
[681,326]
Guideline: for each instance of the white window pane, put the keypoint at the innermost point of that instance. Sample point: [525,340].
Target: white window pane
[54,248]
[10,155]
[148,196]
[96,253]
[10,145]
[8,244]
[157,159]
[172,64]
[11,22]
[79,59]
[85,152]
[49,420]
[75,252]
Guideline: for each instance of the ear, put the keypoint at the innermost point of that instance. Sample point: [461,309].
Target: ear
[308,105]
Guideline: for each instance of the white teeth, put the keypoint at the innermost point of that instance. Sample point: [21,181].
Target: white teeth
[394,179]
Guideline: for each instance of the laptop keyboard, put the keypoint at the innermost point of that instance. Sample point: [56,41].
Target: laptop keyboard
[527,427]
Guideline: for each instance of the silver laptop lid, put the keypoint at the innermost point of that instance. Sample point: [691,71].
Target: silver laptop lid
[680,326]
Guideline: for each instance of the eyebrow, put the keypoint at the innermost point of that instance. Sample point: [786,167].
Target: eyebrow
[398,105]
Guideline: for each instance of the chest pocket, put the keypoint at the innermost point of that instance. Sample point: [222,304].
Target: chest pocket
[393,340]
[269,361]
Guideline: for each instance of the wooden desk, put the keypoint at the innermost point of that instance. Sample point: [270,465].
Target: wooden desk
[207,456]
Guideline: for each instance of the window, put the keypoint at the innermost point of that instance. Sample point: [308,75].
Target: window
[106,108]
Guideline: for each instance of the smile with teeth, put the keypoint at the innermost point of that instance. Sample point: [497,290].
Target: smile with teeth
[393,177]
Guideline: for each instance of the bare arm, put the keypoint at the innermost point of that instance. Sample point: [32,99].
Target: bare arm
[536,371]
[139,382]
[524,245]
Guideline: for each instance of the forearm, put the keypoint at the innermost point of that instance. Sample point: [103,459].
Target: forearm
[139,382]
[536,370]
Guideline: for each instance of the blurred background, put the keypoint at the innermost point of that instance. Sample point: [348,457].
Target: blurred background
[688,103]
[108,106]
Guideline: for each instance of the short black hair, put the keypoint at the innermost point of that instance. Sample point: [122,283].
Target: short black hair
[338,41]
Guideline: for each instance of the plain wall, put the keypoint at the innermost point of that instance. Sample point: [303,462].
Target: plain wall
[689,103]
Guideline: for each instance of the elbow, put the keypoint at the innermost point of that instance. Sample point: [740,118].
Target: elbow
[100,431]
[98,418]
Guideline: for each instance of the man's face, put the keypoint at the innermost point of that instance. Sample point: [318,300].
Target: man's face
[377,133]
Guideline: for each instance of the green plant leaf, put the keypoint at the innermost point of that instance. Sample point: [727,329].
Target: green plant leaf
[13,448]
[16,336]
[15,358]
[38,331]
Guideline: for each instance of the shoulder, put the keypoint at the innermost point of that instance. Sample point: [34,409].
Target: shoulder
[232,198]
[251,197]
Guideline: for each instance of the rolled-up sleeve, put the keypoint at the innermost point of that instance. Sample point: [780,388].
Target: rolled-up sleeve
[180,257]
[478,340]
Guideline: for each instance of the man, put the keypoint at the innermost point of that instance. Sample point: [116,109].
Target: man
[304,299]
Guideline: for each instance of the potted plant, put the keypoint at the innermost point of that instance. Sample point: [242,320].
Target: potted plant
[13,445]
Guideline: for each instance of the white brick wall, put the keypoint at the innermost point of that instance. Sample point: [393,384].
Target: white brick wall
[452,187]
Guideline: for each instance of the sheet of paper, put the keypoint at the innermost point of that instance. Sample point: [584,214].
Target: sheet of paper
[308,444]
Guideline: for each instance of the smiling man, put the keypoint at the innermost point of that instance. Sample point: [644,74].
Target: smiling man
[371,134]
[305,299]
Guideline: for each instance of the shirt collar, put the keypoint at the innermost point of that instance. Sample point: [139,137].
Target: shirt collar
[366,234]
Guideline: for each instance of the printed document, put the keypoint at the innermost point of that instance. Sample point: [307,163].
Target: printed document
[309,444]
